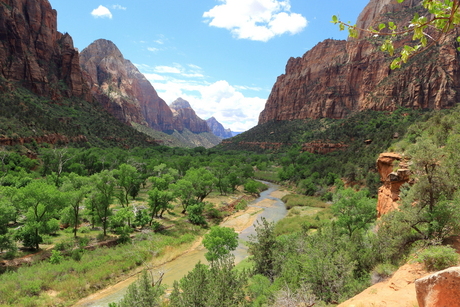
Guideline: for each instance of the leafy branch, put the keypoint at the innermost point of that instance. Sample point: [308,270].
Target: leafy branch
[443,18]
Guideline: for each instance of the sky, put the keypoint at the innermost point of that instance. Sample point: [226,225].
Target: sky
[222,56]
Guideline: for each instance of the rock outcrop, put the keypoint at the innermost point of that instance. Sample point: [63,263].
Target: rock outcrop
[185,117]
[218,129]
[392,180]
[336,77]
[119,86]
[34,54]
[441,289]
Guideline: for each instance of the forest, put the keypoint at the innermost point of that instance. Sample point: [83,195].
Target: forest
[70,198]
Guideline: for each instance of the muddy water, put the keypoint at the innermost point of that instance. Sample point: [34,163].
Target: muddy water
[268,205]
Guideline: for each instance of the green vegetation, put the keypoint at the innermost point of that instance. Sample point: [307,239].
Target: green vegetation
[436,258]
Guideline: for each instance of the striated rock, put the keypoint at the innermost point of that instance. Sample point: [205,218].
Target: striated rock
[336,78]
[34,54]
[388,194]
[185,117]
[441,289]
[218,129]
[50,139]
[119,86]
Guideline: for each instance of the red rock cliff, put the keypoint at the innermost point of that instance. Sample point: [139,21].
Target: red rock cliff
[34,53]
[337,77]
[392,180]
[119,86]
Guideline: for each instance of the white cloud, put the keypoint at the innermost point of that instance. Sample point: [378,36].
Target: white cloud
[167,70]
[101,12]
[153,49]
[258,20]
[118,7]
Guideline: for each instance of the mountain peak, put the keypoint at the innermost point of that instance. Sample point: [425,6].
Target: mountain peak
[180,103]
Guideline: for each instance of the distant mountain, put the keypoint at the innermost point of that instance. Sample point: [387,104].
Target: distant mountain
[234,133]
[185,117]
[218,129]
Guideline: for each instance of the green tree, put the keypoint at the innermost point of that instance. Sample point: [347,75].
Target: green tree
[102,197]
[40,202]
[354,209]
[220,241]
[216,286]
[262,247]
[74,188]
[129,181]
[203,182]
[146,292]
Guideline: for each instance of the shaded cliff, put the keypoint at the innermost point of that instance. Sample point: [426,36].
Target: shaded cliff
[34,54]
[119,86]
[336,78]
[186,118]
[218,129]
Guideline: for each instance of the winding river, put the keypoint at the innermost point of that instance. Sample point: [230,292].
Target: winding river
[268,205]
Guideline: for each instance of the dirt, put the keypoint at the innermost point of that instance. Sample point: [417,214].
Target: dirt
[396,291]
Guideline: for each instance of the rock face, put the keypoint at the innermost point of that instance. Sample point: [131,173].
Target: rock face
[119,86]
[441,289]
[218,129]
[336,78]
[34,54]
[185,117]
[388,194]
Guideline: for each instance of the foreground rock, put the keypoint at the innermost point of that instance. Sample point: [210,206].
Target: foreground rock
[441,289]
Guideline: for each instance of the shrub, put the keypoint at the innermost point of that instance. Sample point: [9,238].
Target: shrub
[56,257]
[436,258]
[84,229]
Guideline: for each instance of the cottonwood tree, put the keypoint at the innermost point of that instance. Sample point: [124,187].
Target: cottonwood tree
[102,197]
[40,202]
[442,18]
[129,181]
[74,188]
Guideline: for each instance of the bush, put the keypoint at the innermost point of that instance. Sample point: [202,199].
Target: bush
[56,257]
[436,258]
[84,229]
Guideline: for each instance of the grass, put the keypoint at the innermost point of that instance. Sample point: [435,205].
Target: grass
[71,280]
[304,212]
[293,200]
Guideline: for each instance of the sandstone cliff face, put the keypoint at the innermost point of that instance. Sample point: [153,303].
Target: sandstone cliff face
[218,129]
[336,78]
[119,86]
[185,117]
[34,54]
[388,193]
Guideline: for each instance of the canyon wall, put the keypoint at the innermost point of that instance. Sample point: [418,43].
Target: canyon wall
[34,54]
[336,78]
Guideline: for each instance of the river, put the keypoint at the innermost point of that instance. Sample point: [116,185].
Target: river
[268,205]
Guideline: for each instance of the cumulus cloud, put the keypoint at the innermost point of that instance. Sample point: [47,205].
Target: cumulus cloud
[258,20]
[101,12]
[226,102]
[153,49]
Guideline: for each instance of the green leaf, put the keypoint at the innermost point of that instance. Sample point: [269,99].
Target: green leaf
[382,26]
[335,19]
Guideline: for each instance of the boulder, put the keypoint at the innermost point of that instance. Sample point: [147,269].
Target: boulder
[441,289]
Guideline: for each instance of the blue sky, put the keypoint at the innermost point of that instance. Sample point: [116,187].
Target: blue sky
[223,56]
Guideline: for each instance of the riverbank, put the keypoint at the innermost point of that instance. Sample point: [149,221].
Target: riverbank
[242,221]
